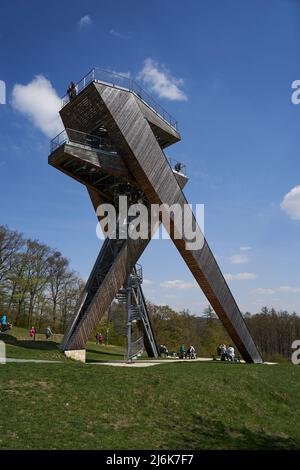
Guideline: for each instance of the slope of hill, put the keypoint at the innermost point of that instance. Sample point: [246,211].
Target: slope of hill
[170,406]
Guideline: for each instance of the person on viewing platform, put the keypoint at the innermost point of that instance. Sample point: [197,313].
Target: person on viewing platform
[72,92]
[178,167]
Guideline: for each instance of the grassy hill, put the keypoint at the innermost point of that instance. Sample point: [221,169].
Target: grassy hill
[20,346]
[170,406]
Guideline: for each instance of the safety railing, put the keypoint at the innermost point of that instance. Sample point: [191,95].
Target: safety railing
[136,349]
[138,273]
[123,82]
[178,167]
[69,136]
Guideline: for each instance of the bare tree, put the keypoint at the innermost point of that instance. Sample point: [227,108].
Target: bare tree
[70,298]
[10,243]
[58,279]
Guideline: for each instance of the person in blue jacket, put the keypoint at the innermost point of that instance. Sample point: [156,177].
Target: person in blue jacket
[3,322]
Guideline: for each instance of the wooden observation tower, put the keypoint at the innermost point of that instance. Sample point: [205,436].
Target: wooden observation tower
[113,143]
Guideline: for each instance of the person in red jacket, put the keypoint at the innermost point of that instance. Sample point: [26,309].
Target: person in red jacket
[32,333]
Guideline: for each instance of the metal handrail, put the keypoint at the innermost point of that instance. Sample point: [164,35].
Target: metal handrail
[91,141]
[123,82]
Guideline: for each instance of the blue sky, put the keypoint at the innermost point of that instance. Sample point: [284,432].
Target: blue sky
[231,65]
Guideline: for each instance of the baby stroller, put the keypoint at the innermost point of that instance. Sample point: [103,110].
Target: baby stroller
[6,328]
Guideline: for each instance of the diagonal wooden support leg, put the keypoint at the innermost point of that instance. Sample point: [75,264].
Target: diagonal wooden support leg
[109,251]
[115,262]
[148,164]
[114,279]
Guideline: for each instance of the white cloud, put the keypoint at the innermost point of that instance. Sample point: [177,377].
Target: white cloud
[117,34]
[282,289]
[178,284]
[159,80]
[291,203]
[245,248]
[39,101]
[86,20]
[289,289]
[147,282]
[264,291]
[239,259]
[240,276]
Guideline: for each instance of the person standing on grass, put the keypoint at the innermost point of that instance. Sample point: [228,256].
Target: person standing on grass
[191,352]
[223,353]
[32,333]
[182,352]
[230,353]
[3,322]
[97,338]
[48,332]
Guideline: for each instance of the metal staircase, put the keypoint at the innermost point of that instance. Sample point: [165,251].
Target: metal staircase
[138,325]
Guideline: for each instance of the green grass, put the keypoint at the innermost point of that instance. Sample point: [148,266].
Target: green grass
[104,353]
[175,406]
[20,346]
[172,406]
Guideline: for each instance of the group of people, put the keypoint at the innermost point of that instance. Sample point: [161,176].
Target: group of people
[99,338]
[183,353]
[48,332]
[189,353]
[163,350]
[226,353]
[6,326]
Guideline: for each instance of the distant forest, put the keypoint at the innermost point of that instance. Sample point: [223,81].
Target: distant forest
[38,287]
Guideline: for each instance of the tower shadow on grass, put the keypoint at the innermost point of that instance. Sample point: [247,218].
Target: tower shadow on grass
[209,434]
[29,344]
[104,355]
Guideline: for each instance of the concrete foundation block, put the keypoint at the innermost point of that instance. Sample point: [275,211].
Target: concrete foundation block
[77,355]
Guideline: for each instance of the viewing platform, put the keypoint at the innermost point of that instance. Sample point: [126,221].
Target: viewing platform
[125,83]
[93,160]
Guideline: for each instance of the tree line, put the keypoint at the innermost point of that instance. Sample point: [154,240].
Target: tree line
[273,331]
[37,286]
